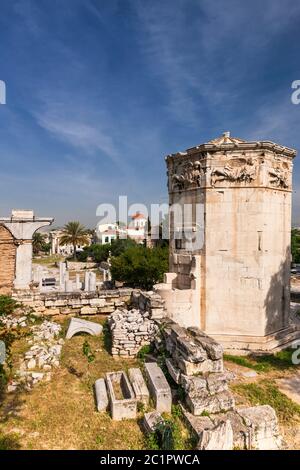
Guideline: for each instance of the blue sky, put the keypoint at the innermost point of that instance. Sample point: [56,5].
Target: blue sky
[99,91]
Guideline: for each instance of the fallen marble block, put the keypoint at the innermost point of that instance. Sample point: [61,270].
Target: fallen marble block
[151,420]
[214,350]
[174,372]
[217,383]
[197,424]
[211,403]
[241,433]
[194,385]
[192,368]
[139,385]
[218,438]
[190,351]
[101,395]
[77,325]
[263,424]
[123,404]
[159,388]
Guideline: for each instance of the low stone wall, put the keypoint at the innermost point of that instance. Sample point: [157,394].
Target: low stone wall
[80,265]
[75,303]
[148,302]
[132,329]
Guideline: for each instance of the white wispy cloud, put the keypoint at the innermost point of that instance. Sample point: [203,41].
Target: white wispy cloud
[78,134]
[197,49]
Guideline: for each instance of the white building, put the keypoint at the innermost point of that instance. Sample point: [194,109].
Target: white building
[107,233]
[136,229]
[58,249]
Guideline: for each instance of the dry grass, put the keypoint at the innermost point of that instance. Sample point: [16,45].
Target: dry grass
[49,261]
[61,414]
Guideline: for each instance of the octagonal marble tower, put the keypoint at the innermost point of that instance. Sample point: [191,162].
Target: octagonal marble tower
[231,276]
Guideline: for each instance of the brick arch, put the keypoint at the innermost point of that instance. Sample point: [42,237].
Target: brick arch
[7,260]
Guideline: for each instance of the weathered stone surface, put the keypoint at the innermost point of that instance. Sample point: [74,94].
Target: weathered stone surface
[241,433]
[214,350]
[159,388]
[44,352]
[195,386]
[16,249]
[218,438]
[123,404]
[139,385]
[130,330]
[151,420]
[245,199]
[217,383]
[65,303]
[211,403]
[191,368]
[8,260]
[263,424]
[197,424]
[174,372]
[101,395]
[189,350]
[98,302]
[88,310]
[77,325]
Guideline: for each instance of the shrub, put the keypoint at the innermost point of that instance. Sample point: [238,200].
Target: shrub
[146,349]
[295,245]
[140,267]
[8,336]
[97,252]
[120,245]
[100,253]
[7,305]
[167,436]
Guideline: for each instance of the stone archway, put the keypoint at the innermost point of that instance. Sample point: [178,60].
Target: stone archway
[7,261]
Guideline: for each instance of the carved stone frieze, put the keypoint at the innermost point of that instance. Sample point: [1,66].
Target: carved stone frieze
[236,170]
[187,175]
[279,177]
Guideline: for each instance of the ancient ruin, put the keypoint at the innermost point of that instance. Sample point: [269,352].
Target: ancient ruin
[230,251]
[16,249]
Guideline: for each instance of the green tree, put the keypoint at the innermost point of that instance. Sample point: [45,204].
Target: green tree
[74,234]
[99,252]
[140,267]
[120,245]
[96,251]
[39,243]
[295,245]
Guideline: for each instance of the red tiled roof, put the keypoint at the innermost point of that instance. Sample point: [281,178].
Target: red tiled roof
[138,215]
